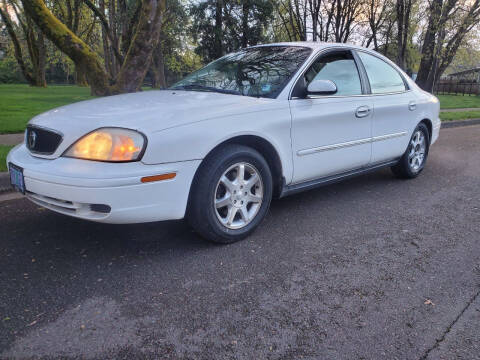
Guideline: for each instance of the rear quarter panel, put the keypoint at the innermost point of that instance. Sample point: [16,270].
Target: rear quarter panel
[428,107]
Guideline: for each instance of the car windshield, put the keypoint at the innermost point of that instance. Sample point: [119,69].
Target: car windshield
[259,72]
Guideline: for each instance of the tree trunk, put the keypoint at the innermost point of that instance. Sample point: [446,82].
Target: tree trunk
[40,62]
[245,29]
[432,74]
[130,28]
[158,68]
[67,76]
[139,56]
[218,50]
[113,36]
[402,29]
[428,47]
[16,47]
[105,36]
[80,76]
[314,14]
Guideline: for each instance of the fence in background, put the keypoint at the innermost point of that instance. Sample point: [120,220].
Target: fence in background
[457,87]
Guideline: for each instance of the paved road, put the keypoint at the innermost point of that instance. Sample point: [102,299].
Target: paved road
[372,268]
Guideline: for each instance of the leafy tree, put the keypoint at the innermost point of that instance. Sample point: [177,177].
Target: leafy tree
[137,60]
[172,36]
[35,73]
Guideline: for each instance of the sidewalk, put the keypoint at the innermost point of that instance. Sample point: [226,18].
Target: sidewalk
[460,110]
[11,139]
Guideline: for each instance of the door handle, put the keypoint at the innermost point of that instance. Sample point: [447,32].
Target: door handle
[412,105]
[362,111]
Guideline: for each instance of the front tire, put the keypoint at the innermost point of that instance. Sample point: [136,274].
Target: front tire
[230,195]
[413,160]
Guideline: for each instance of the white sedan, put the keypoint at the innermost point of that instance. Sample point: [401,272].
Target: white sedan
[266,121]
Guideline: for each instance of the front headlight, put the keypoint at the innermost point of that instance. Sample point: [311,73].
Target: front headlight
[109,144]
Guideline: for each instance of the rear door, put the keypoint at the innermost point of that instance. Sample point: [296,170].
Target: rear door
[394,107]
[331,134]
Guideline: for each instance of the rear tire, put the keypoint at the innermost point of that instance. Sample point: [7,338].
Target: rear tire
[230,195]
[413,160]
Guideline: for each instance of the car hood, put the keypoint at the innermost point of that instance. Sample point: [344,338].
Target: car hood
[147,111]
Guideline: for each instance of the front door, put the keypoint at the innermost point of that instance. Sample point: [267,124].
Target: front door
[331,134]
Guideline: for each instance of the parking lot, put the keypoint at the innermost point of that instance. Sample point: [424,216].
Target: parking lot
[374,267]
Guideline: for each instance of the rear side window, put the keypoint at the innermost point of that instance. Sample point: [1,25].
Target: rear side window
[382,76]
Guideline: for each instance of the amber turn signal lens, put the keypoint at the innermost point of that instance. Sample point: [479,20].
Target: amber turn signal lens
[158,177]
[108,144]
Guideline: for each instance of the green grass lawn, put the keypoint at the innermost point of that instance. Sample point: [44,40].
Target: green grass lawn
[4,149]
[459,115]
[459,101]
[19,103]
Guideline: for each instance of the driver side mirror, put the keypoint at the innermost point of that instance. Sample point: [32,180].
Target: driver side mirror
[321,87]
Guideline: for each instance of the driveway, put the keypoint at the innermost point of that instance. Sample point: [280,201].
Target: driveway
[371,268]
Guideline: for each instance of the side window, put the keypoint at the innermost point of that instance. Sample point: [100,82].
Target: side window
[383,77]
[338,67]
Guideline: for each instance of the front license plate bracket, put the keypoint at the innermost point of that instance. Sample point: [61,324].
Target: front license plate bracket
[16,178]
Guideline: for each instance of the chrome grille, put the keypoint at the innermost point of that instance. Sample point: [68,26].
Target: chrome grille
[42,141]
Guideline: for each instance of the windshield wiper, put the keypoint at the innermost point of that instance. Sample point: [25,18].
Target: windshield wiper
[206,88]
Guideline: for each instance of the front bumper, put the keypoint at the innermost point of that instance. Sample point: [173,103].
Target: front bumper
[105,192]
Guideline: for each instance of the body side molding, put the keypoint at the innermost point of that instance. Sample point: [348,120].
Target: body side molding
[349,143]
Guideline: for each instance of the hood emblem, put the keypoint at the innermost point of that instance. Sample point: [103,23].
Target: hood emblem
[32,139]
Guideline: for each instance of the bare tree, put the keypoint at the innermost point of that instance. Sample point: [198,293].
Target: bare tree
[449,22]
[330,20]
[377,13]
[322,13]
[345,17]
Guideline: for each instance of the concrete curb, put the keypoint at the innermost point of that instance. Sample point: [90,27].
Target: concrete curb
[456,123]
[5,177]
[5,182]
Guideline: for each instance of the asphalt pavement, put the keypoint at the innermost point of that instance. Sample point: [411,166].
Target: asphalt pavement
[371,268]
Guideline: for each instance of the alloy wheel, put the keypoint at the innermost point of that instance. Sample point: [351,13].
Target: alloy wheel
[418,146]
[238,195]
